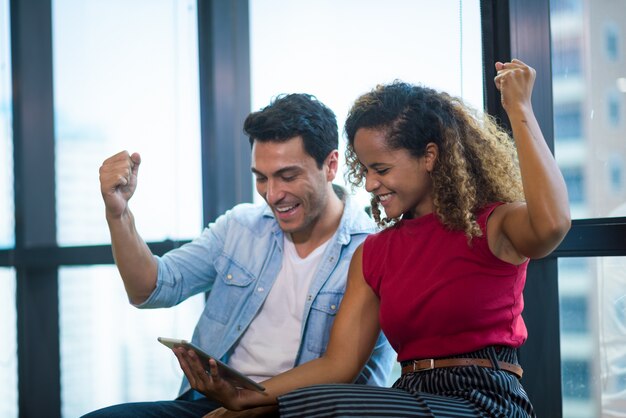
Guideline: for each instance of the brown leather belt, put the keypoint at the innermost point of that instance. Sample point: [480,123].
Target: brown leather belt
[429,364]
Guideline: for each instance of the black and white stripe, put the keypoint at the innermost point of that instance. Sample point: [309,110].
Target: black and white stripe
[448,392]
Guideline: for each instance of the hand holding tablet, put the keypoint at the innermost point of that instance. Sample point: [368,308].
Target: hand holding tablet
[226,372]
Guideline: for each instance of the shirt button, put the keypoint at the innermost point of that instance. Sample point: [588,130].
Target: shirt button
[229,276]
[309,298]
[333,307]
[260,289]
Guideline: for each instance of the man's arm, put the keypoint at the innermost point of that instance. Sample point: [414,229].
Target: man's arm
[352,340]
[134,260]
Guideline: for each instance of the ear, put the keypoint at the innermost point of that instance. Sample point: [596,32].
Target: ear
[331,165]
[430,156]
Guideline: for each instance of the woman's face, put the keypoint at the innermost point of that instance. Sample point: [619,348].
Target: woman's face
[400,181]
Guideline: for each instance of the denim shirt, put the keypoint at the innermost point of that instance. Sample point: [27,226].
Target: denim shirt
[237,258]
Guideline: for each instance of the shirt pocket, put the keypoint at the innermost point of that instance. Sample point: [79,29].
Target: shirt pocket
[320,321]
[230,291]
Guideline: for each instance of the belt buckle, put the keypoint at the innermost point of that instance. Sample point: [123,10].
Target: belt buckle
[429,366]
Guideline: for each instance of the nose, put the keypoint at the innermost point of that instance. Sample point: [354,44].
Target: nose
[371,183]
[273,192]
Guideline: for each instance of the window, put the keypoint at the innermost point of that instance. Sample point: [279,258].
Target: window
[578,319]
[7,219]
[567,60]
[593,332]
[568,124]
[8,349]
[126,82]
[559,6]
[574,311]
[97,322]
[616,174]
[351,55]
[612,41]
[8,314]
[592,289]
[125,78]
[611,285]
[574,179]
[347,59]
[614,109]
[588,107]
[577,384]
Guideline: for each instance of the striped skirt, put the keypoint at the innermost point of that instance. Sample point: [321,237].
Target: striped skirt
[452,392]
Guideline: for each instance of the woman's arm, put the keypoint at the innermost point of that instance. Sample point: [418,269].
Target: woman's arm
[351,343]
[536,227]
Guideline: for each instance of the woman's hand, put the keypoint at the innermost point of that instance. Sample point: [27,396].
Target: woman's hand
[515,82]
[261,411]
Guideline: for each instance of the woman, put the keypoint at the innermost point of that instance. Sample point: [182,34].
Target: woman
[444,280]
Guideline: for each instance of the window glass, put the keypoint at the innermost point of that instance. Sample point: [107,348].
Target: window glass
[361,44]
[577,300]
[589,104]
[590,148]
[611,329]
[126,78]
[616,173]
[568,122]
[614,111]
[578,377]
[612,41]
[109,349]
[8,348]
[566,6]
[574,178]
[568,61]
[574,311]
[7,217]
[593,336]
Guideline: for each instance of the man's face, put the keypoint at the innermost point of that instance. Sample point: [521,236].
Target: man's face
[291,183]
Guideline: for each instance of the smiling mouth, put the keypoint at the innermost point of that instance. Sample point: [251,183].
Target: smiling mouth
[286,209]
[384,197]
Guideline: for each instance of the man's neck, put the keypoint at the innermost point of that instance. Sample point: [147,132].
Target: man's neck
[324,228]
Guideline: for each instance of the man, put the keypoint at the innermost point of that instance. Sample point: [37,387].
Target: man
[275,272]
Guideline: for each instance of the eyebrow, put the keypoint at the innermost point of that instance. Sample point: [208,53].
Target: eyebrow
[278,172]
[376,165]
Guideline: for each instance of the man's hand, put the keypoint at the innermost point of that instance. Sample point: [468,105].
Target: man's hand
[118,181]
[209,383]
[261,412]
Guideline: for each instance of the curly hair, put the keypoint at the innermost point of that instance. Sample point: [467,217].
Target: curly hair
[477,162]
[296,114]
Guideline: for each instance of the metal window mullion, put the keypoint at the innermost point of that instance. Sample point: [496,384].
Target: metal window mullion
[525,24]
[224,60]
[35,223]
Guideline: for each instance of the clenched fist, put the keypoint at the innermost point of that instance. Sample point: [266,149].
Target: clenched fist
[118,181]
[515,81]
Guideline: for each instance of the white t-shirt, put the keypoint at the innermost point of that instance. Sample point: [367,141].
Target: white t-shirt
[270,344]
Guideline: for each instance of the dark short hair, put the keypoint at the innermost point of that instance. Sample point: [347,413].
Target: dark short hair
[297,114]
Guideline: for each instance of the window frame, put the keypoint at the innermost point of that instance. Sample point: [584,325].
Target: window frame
[526,33]
[223,40]
[510,28]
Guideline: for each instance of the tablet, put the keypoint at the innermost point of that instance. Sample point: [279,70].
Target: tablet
[226,372]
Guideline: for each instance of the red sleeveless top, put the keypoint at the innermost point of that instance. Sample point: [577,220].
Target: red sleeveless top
[440,296]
